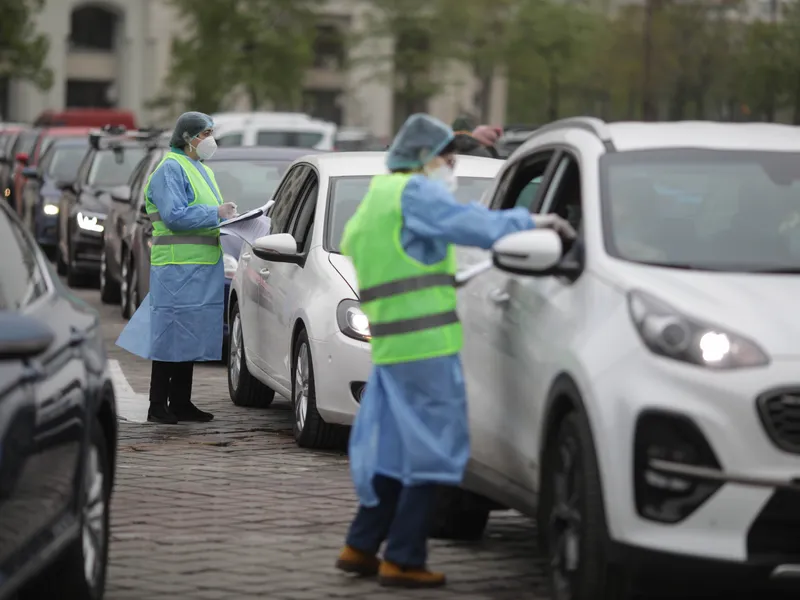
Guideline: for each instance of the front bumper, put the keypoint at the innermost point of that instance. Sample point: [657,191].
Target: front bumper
[341,368]
[86,249]
[46,227]
[740,503]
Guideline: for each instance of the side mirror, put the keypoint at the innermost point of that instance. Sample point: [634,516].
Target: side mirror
[66,186]
[278,247]
[533,252]
[22,157]
[22,336]
[30,173]
[121,193]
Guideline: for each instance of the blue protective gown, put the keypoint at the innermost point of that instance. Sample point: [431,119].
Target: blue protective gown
[412,424]
[180,320]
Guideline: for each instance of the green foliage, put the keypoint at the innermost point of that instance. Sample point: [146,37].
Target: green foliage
[23,52]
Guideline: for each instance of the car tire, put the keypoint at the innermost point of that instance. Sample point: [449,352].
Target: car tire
[459,515]
[244,389]
[79,573]
[310,430]
[75,279]
[61,264]
[125,285]
[572,522]
[109,290]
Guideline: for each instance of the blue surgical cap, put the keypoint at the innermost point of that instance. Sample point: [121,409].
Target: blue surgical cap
[421,138]
[189,124]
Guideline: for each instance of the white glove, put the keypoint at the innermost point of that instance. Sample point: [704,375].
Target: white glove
[556,223]
[227,210]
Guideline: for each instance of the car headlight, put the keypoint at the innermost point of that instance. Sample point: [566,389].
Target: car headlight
[50,210]
[352,320]
[668,333]
[231,264]
[89,222]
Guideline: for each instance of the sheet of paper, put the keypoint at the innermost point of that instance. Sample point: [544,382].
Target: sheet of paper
[250,214]
[249,230]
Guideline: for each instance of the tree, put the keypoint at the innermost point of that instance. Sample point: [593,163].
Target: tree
[23,51]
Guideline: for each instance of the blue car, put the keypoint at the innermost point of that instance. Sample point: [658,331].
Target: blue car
[57,167]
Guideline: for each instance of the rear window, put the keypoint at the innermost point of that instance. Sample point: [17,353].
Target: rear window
[110,169]
[289,139]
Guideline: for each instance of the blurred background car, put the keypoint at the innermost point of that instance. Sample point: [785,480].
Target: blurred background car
[84,204]
[513,137]
[246,176]
[357,139]
[86,117]
[58,167]
[273,129]
[296,322]
[8,137]
[58,430]
[21,149]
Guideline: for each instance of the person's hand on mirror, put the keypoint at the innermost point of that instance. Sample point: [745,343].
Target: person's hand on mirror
[227,211]
[557,224]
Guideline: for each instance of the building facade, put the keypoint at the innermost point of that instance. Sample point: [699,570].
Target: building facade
[116,53]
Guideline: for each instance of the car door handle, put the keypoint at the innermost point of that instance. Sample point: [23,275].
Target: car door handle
[499,296]
[264,272]
[245,256]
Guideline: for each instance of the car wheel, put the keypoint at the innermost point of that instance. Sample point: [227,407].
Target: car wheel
[61,264]
[460,515]
[244,389]
[124,285]
[80,572]
[109,289]
[74,278]
[310,431]
[572,518]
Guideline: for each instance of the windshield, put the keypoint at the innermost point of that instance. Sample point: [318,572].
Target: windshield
[65,162]
[703,209]
[248,183]
[110,169]
[346,194]
[25,143]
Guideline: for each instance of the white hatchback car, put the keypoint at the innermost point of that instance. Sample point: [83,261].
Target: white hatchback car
[638,390]
[296,325]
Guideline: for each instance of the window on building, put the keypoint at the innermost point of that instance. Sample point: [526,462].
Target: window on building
[88,94]
[93,28]
[329,47]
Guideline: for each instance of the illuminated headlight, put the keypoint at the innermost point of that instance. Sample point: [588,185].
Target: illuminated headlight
[230,264]
[670,334]
[50,210]
[352,320]
[89,222]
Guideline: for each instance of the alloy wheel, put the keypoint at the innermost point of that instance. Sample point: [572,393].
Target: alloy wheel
[566,518]
[236,357]
[301,381]
[123,285]
[103,269]
[94,519]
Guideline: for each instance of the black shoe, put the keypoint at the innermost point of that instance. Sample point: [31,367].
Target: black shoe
[159,413]
[189,412]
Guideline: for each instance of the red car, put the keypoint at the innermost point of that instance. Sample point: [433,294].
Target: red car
[41,142]
[9,135]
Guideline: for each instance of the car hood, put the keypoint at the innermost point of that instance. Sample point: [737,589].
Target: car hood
[49,189]
[96,201]
[345,268]
[761,307]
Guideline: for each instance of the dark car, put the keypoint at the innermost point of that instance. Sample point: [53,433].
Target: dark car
[246,176]
[16,140]
[57,167]
[84,204]
[126,210]
[58,430]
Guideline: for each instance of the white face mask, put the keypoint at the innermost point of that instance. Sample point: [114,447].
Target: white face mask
[445,175]
[206,148]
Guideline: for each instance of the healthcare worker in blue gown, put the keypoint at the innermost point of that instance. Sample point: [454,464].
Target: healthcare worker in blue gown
[411,431]
[180,320]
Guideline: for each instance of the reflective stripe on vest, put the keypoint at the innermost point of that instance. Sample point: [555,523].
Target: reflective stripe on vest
[409,284]
[411,325]
[168,240]
[154,217]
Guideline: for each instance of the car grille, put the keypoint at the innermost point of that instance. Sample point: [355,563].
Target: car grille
[775,534]
[780,414]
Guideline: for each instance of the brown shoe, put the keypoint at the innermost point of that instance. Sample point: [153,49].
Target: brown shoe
[392,575]
[357,562]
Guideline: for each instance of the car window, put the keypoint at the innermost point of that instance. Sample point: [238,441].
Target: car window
[21,279]
[346,194]
[248,183]
[141,177]
[520,184]
[25,143]
[300,227]
[45,160]
[285,197]
[111,168]
[289,139]
[63,162]
[86,163]
[563,196]
[229,140]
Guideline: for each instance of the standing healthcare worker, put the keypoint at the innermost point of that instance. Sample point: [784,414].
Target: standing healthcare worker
[180,320]
[411,431]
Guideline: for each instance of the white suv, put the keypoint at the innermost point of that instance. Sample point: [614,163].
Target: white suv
[638,390]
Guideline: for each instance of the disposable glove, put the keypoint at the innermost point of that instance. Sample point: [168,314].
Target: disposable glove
[227,210]
[556,223]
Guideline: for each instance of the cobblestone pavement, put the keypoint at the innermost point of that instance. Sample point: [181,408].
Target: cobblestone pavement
[234,510]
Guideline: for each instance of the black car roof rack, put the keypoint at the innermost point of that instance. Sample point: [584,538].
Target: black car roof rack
[114,136]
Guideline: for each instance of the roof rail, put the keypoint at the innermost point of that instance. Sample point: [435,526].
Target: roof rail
[593,125]
[112,136]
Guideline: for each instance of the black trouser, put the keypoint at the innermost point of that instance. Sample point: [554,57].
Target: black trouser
[171,382]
